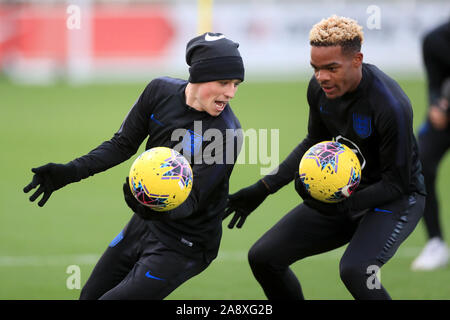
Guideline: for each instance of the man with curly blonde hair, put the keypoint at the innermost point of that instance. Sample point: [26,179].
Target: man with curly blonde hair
[356,104]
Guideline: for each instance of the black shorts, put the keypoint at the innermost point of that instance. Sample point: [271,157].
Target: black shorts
[136,265]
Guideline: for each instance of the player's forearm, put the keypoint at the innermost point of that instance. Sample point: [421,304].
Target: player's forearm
[107,155]
[122,145]
[285,172]
[374,196]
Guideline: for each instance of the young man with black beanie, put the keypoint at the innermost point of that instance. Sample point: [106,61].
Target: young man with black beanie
[157,252]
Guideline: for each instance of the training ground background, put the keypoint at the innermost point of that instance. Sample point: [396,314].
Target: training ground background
[58,122]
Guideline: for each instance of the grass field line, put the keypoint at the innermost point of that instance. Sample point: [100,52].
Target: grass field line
[224,255]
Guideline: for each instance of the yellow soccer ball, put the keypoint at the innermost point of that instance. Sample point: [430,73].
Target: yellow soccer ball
[330,171]
[161,178]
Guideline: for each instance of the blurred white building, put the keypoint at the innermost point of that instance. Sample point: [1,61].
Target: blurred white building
[85,40]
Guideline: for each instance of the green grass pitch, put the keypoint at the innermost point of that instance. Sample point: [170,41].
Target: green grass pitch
[57,123]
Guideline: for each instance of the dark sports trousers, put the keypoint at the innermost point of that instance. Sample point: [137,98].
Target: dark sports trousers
[433,144]
[372,240]
[136,265]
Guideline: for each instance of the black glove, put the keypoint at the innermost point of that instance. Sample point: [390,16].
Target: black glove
[50,178]
[300,187]
[341,207]
[244,202]
[142,211]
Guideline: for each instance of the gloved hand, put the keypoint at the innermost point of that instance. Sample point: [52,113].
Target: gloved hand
[142,211]
[323,207]
[49,178]
[300,187]
[244,202]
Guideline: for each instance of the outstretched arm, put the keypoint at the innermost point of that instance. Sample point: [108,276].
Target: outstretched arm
[125,142]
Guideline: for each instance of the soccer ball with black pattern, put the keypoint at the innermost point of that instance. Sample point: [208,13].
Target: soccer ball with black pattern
[161,178]
[330,171]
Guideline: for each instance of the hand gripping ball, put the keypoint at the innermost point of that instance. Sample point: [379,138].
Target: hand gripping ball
[330,171]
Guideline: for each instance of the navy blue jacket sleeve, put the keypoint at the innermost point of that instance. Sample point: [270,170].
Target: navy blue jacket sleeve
[393,123]
[317,132]
[123,144]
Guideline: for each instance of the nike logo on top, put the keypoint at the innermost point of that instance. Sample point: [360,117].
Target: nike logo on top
[209,37]
[148,275]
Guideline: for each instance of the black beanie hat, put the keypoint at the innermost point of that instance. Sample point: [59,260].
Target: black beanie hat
[213,57]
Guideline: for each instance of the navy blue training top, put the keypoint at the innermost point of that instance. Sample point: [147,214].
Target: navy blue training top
[161,114]
[376,120]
